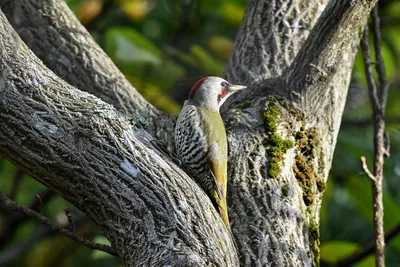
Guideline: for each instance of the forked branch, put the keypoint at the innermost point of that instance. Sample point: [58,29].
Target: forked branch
[8,204]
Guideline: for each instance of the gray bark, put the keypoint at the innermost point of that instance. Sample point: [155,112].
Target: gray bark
[152,212]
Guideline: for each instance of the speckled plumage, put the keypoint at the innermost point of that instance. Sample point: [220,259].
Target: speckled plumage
[200,138]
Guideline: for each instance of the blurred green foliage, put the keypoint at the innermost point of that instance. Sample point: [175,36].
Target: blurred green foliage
[158,44]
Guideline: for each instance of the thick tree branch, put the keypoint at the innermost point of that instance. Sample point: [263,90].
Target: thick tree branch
[10,205]
[55,35]
[92,155]
[271,34]
[322,54]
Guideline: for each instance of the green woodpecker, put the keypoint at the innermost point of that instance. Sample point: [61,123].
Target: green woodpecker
[200,138]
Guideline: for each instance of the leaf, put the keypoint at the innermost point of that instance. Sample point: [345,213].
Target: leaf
[206,62]
[220,46]
[360,192]
[139,57]
[135,9]
[154,95]
[128,45]
[232,12]
[333,251]
[88,10]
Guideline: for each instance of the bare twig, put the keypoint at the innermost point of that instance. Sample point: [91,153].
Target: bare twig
[379,66]
[39,203]
[372,90]
[17,249]
[368,248]
[366,170]
[70,219]
[13,221]
[378,98]
[12,206]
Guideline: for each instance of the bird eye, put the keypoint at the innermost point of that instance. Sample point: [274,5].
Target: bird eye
[224,84]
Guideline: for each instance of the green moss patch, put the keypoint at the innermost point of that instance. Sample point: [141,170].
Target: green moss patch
[276,145]
[313,238]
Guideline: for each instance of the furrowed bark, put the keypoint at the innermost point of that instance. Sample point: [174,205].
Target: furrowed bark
[64,45]
[271,34]
[82,148]
[276,189]
[322,53]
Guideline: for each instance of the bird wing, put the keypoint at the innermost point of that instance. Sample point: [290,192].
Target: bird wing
[217,159]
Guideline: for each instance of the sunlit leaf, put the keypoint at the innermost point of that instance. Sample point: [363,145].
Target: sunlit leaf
[139,57]
[88,10]
[135,9]
[206,61]
[232,12]
[220,46]
[333,251]
[360,191]
[127,44]
[154,95]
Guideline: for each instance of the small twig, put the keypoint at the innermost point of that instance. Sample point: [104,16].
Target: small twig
[368,70]
[368,249]
[40,203]
[378,98]
[12,206]
[379,66]
[366,170]
[13,221]
[70,219]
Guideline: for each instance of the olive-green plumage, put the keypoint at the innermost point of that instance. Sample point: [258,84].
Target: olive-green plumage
[201,139]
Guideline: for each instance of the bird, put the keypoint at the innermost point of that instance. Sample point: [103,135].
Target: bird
[200,139]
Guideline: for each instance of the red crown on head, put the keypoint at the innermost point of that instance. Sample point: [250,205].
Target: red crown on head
[196,85]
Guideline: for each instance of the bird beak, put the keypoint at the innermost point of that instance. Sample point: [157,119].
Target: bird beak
[234,88]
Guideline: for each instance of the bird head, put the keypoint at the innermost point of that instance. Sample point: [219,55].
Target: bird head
[212,92]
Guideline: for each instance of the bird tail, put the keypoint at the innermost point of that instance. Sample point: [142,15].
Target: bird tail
[222,208]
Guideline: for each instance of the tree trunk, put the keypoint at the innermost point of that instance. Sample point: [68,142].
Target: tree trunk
[296,61]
